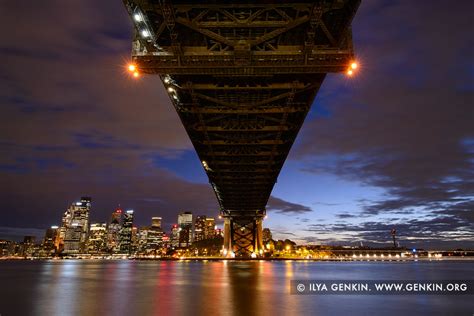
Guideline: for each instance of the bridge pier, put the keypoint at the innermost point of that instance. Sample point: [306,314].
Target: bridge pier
[243,237]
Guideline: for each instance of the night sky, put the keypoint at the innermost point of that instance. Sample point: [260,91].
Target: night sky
[392,146]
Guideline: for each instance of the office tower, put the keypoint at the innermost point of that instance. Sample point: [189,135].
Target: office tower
[50,240]
[155,236]
[113,231]
[134,243]
[97,242]
[266,235]
[65,222]
[126,232]
[185,223]
[143,239]
[174,238]
[76,226]
[166,241]
[156,222]
[200,228]
[210,230]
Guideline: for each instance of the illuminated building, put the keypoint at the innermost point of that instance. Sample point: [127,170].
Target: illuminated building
[65,222]
[154,236]
[97,242]
[135,240]
[174,238]
[204,228]
[200,228]
[142,239]
[126,232]
[28,245]
[6,248]
[113,231]
[185,223]
[156,222]
[210,230]
[166,241]
[51,240]
[266,235]
[76,226]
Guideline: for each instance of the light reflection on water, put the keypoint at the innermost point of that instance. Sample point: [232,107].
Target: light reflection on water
[214,287]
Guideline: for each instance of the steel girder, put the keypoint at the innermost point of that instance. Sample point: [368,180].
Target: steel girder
[242,76]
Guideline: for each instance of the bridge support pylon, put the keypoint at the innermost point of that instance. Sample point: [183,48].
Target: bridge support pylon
[243,237]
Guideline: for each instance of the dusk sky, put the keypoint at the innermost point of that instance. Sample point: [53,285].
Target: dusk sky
[393,146]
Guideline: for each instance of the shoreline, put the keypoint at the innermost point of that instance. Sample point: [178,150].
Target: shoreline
[203,259]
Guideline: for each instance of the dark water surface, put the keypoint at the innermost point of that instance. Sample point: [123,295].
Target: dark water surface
[89,287]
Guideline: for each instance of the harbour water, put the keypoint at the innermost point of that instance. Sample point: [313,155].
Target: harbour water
[126,287]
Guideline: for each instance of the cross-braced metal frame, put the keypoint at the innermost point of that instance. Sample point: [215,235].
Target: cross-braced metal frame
[242,76]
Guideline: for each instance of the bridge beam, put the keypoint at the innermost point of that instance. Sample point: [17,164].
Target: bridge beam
[242,76]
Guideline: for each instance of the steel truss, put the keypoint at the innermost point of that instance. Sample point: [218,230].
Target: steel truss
[242,77]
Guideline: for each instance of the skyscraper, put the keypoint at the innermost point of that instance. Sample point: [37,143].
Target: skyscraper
[174,238]
[210,230]
[126,232]
[113,231]
[50,241]
[97,242]
[143,239]
[156,222]
[76,226]
[185,223]
[155,236]
[200,228]
[204,228]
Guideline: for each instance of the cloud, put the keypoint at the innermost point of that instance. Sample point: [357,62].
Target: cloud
[284,207]
[346,215]
[437,231]
[63,80]
[405,123]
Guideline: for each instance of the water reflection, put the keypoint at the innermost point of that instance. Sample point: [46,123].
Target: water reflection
[213,287]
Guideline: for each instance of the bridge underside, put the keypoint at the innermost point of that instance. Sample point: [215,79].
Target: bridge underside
[242,76]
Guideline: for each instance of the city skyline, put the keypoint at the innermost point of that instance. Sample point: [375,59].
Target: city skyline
[386,148]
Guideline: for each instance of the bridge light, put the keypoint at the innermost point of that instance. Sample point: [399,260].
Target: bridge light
[132,67]
[145,33]
[136,74]
[349,72]
[354,65]
[137,17]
